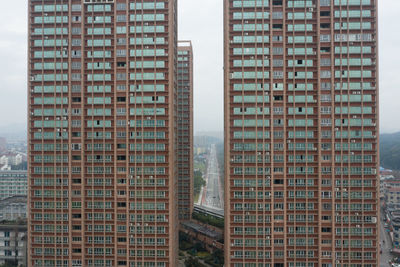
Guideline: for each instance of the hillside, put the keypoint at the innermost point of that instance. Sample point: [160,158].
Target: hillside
[390,151]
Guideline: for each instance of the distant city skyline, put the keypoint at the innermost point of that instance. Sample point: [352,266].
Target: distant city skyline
[207,36]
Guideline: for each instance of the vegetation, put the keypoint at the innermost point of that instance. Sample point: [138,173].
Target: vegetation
[390,151]
[198,182]
[216,259]
[184,242]
[221,162]
[199,164]
[193,262]
[208,219]
[197,251]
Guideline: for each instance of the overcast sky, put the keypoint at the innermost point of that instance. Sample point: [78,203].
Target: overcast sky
[201,22]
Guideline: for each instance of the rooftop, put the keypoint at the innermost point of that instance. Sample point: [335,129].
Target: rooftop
[202,230]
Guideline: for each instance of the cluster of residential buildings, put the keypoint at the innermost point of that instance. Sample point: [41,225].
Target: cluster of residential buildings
[390,201]
[110,135]
[10,157]
[13,207]
[13,217]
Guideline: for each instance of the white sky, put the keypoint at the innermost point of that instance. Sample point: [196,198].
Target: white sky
[201,22]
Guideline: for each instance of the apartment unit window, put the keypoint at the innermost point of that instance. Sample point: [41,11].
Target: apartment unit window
[326,98]
[121,6]
[121,41]
[326,62]
[76,8]
[277,63]
[76,31]
[325,13]
[325,86]
[325,2]
[121,18]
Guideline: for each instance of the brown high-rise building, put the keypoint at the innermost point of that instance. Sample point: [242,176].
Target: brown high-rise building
[102,186]
[184,142]
[301,133]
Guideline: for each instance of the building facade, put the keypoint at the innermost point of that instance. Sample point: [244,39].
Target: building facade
[13,183]
[301,133]
[184,142]
[13,244]
[13,208]
[102,80]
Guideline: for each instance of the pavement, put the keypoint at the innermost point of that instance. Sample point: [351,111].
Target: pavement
[211,193]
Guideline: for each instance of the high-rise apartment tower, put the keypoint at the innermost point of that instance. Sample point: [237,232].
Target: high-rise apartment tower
[301,133]
[102,186]
[184,142]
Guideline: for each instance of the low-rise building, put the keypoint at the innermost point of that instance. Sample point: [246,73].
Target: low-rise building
[13,208]
[13,183]
[210,236]
[393,198]
[13,243]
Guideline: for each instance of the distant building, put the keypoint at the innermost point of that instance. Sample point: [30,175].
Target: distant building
[184,133]
[13,183]
[11,159]
[15,159]
[4,160]
[5,167]
[3,144]
[393,198]
[13,244]
[396,232]
[13,208]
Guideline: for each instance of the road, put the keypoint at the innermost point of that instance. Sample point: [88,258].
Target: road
[386,246]
[212,195]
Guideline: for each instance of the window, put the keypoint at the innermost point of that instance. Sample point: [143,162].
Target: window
[325,49]
[121,41]
[325,2]
[121,18]
[326,62]
[76,31]
[325,13]
[121,6]
[76,8]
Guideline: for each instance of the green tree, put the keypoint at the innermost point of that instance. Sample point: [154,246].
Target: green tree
[198,181]
[193,262]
